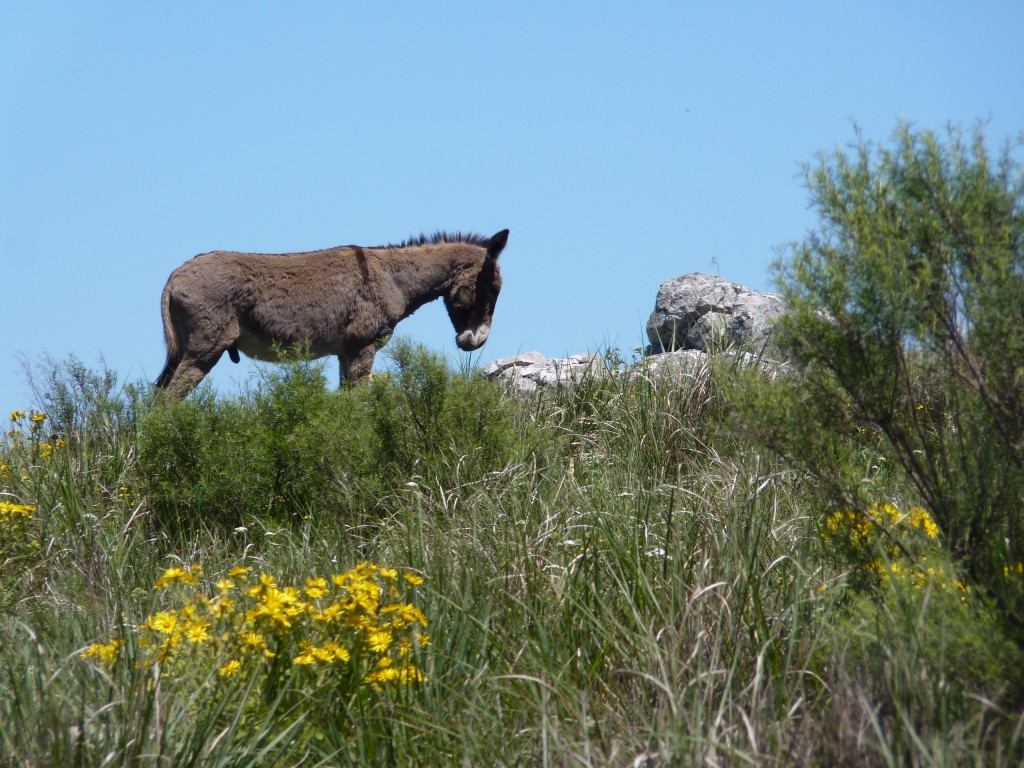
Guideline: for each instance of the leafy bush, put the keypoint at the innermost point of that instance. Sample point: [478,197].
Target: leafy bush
[290,447]
[906,308]
[427,420]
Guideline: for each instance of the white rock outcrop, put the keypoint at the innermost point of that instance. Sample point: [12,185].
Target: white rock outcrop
[694,315]
[528,370]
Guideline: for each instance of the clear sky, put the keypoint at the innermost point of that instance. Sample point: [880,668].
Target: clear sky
[622,144]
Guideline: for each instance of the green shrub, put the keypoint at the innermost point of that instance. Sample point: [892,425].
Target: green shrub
[291,448]
[271,452]
[431,422]
[905,324]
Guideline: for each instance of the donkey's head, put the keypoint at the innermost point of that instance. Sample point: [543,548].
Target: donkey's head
[472,294]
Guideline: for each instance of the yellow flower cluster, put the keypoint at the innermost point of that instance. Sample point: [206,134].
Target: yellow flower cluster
[105,652]
[36,418]
[875,531]
[861,528]
[17,532]
[14,522]
[42,448]
[11,512]
[856,527]
[354,617]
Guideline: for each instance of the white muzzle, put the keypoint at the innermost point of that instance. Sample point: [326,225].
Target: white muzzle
[473,338]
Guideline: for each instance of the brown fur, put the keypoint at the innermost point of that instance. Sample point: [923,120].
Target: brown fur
[342,301]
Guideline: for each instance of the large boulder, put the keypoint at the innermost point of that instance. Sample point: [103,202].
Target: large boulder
[705,312]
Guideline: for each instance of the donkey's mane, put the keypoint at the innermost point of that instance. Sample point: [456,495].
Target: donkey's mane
[440,237]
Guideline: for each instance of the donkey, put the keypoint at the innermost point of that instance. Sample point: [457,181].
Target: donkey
[343,301]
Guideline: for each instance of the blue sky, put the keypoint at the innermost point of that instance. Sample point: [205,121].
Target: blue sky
[623,145]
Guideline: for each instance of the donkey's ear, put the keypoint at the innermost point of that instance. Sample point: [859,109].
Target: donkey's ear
[497,244]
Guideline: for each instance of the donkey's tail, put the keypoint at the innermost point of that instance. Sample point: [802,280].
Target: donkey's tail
[170,340]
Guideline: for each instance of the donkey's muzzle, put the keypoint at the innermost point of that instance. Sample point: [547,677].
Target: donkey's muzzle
[473,339]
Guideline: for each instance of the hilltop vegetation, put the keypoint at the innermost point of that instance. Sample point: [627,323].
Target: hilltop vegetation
[721,568]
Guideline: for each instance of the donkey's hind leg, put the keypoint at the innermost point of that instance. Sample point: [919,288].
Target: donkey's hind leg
[357,366]
[191,371]
[202,348]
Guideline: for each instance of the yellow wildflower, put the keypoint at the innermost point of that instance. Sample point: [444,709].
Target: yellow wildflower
[385,675]
[220,606]
[920,519]
[316,588]
[413,580]
[329,613]
[163,623]
[412,615]
[379,640]
[105,652]
[409,673]
[197,632]
[254,639]
[884,513]
[322,654]
[247,623]
[173,575]
[9,510]
[337,651]
[280,605]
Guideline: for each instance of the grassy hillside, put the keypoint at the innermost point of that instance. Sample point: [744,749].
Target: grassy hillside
[423,571]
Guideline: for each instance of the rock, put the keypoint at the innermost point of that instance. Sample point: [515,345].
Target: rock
[677,365]
[524,372]
[705,312]
[700,313]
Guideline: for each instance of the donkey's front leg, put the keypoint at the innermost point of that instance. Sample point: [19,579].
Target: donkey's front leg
[357,366]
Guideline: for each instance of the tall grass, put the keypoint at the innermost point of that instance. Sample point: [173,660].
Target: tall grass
[612,576]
